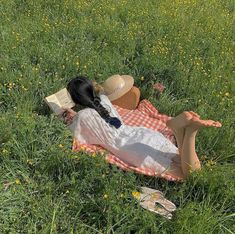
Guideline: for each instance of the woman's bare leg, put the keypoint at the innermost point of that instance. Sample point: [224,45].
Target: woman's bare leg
[189,158]
[177,125]
[185,127]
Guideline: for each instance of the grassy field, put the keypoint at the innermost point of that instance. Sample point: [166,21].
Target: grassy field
[188,45]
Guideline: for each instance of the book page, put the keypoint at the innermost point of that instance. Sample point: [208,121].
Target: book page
[58,100]
[54,104]
[64,98]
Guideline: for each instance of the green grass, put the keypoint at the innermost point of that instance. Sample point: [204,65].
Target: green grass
[187,45]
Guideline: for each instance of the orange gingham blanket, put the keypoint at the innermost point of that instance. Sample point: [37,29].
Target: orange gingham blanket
[146,115]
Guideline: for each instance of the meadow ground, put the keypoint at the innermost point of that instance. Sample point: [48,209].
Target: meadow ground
[187,45]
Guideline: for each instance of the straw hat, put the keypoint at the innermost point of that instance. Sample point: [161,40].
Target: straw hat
[116,86]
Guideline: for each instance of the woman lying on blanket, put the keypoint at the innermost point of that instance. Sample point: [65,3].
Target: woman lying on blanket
[100,124]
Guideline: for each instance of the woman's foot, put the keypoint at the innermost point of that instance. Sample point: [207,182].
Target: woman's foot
[191,121]
[190,118]
[196,123]
[194,114]
[180,121]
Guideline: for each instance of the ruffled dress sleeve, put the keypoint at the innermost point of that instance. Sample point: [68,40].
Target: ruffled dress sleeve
[89,127]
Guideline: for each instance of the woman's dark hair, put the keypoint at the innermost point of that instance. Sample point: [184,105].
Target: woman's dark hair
[82,92]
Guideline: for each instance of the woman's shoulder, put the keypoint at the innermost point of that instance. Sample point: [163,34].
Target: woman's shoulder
[87,115]
[105,100]
[109,106]
[86,112]
[104,97]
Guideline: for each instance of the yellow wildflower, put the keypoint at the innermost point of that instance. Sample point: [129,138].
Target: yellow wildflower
[136,194]
[142,78]
[17,181]
[5,151]
[105,196]
[61,146]
[30,162]
[210,163]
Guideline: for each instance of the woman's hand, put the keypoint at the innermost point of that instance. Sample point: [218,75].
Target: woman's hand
[68,115]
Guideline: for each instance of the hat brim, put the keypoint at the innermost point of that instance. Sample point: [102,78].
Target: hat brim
[129,82]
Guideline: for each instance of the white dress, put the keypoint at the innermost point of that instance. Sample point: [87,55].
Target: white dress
[136,146]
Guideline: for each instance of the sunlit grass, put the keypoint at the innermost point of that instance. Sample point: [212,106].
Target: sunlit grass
[186,45]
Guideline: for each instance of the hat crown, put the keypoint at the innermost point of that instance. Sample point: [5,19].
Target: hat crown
[113,84]
[117,85]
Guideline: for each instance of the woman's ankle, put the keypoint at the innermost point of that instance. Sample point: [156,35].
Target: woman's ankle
[191,131]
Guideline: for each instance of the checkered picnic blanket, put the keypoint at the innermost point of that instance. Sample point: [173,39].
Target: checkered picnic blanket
[146,115]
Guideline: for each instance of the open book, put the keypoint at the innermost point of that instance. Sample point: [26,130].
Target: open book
[59,100]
